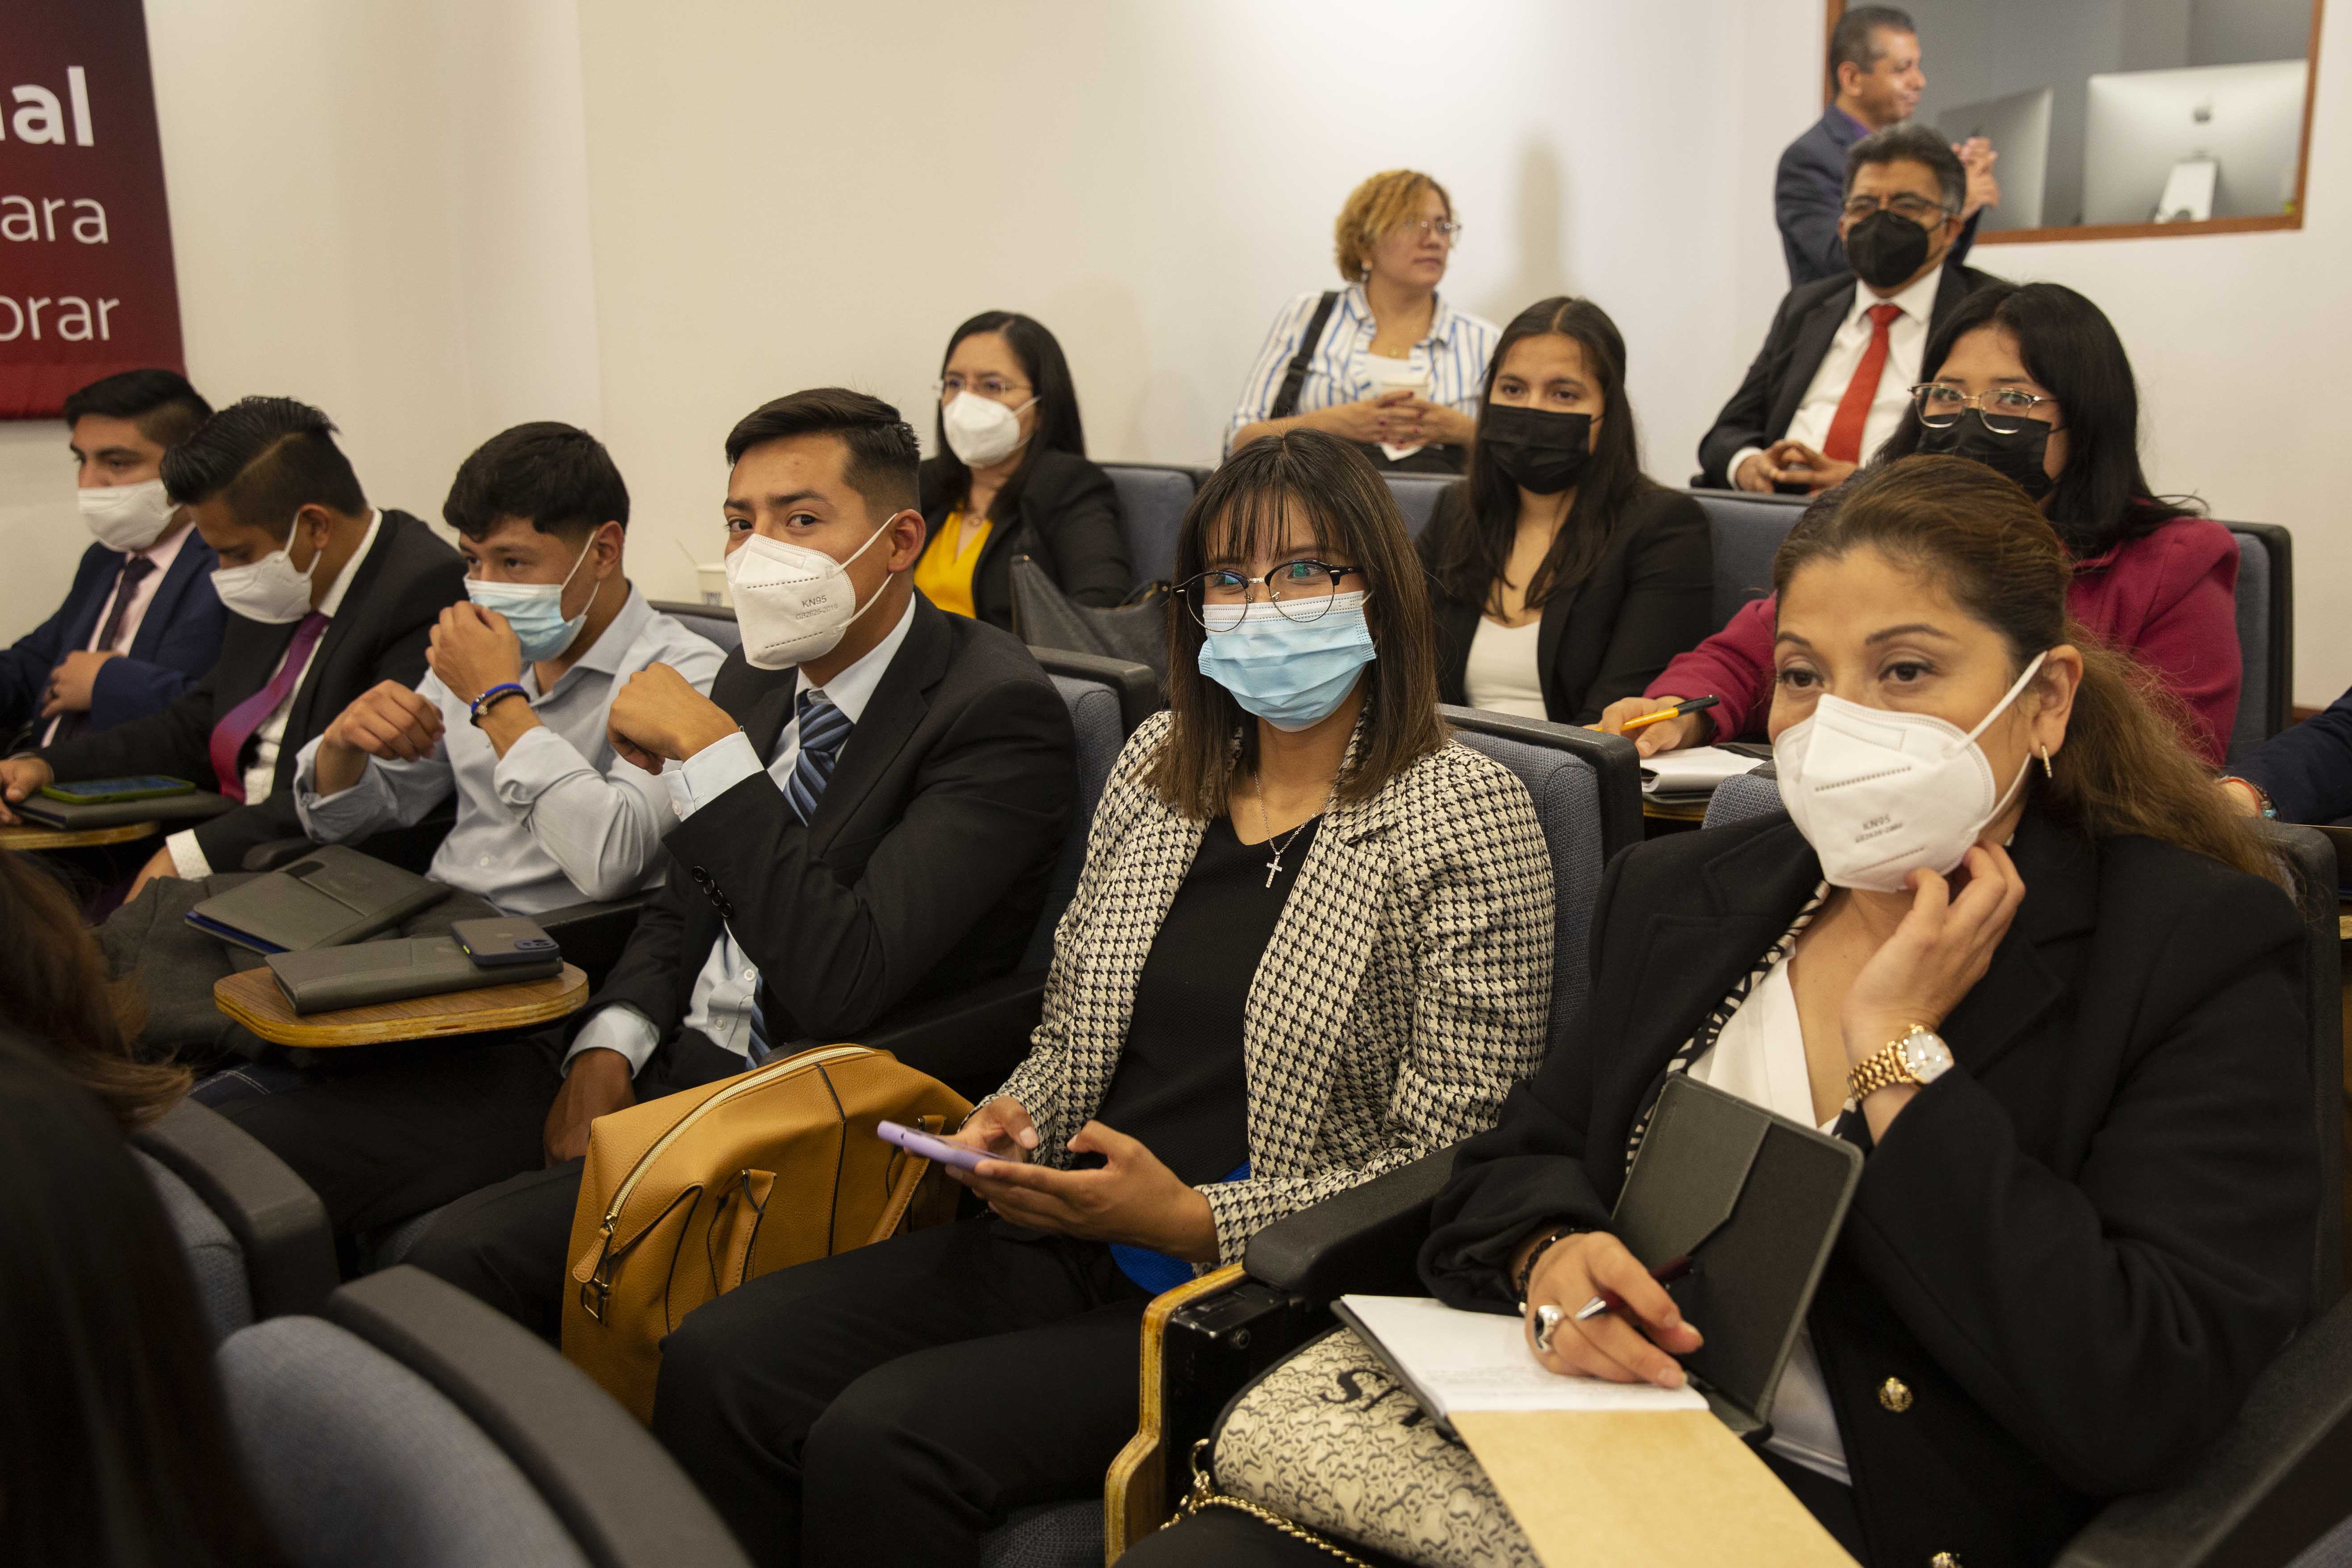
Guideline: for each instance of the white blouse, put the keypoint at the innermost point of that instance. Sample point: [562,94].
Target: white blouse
[1503,675]
[1760,1056]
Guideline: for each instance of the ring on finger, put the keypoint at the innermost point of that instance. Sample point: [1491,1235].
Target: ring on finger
[1548,1318]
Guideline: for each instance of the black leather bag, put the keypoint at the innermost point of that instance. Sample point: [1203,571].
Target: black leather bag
[1044,616]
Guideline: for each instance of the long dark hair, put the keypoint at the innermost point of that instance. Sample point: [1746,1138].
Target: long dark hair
[1057,428]
[2101,497]
[53,987]
[1243,511]
[1479,519]
[114,1445]
[2124,768]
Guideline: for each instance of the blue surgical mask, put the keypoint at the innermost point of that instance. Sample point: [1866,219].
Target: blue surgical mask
[1292,674]
[535,611]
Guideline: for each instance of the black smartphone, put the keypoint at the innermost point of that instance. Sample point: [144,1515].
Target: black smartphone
[95,792]
[495,943]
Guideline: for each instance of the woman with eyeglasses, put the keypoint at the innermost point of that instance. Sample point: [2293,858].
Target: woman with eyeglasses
[1311,943]
[1387,362]
[1563,577]
[1011,478]
[2032,381]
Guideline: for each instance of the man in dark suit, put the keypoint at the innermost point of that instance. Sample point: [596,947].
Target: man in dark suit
[326,597]
[871,801]
[140,623]
[1837,367]
[1875,61]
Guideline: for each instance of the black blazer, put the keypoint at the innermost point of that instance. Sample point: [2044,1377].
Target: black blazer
[1808,317]
[1809,192]
[398,590]
[178,639]
[1649,598]
[1066,519]
[2076,1249]
[925,869]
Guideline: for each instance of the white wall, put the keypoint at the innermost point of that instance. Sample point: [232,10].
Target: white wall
[435,219]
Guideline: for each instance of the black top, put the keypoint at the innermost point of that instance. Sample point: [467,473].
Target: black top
[1066,519]
[1650,596]
[1181,1090]
[2075,1248]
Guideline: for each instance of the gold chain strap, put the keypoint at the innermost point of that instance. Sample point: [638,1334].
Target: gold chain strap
[1201,1497]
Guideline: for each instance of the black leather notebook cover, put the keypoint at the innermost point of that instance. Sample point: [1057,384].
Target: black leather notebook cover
[197,805]
[1756,1201]
[329,897]
[369,973]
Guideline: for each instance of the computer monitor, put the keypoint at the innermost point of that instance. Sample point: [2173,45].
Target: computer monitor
[2018,126]
[2247,120]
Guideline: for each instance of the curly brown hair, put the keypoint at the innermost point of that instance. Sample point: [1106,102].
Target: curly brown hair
[55,994]
[1373,208]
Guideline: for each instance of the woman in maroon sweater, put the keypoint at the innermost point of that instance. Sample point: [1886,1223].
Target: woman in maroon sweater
[2031,380]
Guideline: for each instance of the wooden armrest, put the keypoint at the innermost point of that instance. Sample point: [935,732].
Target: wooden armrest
[1135,1492]
[251,997]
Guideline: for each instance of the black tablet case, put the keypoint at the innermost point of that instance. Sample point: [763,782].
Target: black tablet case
[372,972]
[330,897]
[197,806]
[1757,1202]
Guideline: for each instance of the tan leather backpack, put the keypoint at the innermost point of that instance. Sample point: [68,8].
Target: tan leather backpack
[687,1196]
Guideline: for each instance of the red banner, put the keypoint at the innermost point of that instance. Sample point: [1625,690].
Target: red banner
[86,282]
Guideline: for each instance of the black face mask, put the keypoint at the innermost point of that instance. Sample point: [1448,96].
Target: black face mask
[1886,247]
[2016,456]
[1535,448]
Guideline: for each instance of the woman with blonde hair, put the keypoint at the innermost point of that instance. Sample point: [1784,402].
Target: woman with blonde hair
[1387,362]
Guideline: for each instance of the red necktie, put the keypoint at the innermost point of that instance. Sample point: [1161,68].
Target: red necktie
[236,727]
[1844,442]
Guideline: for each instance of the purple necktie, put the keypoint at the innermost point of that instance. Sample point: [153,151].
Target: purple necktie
[134,572]
[234,730]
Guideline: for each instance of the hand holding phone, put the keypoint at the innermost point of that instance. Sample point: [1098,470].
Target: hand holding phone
[930,1148]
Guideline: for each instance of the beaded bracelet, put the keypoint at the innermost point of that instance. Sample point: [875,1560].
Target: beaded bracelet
[502,689]
[1528,1270]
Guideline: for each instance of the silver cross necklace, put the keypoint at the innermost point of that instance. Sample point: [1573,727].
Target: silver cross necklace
[1274,861]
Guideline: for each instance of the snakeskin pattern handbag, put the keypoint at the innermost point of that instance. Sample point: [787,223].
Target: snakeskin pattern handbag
[1328,1443]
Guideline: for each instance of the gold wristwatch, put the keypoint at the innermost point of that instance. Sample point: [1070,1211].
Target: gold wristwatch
[1919,1056]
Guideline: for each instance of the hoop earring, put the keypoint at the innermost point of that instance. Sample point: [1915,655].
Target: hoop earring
[2046,771]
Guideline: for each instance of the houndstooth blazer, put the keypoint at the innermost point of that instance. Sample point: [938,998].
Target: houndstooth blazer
[1406,988]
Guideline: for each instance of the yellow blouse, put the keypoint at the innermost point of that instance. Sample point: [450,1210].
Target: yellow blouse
[945,572]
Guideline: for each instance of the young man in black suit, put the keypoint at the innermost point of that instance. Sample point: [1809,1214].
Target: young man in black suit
[1837,367]
[1875,61]
[326,596]
[141,624]
[871,801]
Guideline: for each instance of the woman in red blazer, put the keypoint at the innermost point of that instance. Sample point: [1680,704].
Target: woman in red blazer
[2032,379]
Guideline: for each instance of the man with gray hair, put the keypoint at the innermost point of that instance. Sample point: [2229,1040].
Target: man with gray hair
[1874,67]
[1837,367]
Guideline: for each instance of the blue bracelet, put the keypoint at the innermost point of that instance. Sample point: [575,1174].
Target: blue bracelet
[503,688]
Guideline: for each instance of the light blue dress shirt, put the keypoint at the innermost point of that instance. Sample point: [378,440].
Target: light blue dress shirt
[560,818]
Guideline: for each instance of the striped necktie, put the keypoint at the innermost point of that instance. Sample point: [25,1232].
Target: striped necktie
[823,729]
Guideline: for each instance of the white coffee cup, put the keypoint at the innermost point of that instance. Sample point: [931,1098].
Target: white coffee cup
[712,580]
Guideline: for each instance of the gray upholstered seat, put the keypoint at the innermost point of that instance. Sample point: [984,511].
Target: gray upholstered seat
[1416,496]
[1152,500]
[1747,530]
[1094,715]
[715,622]
[1566,791]
[360,1463]
[215,1262]
[1744,798]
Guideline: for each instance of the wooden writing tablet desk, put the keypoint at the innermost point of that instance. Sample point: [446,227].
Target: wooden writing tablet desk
[251,997]
[29,835]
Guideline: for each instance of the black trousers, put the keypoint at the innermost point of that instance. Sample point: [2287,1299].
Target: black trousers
[385,1132]
[891,1405]
[504,1241]
[1228,1538]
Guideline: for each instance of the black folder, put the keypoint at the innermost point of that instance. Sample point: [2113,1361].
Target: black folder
[1756,1201]
[373,972]
[193,805]
[329,897]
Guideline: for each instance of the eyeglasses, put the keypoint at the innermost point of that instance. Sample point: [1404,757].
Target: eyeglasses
[1445,228]
[994,387]
[2004,409]
[1300,589]
[1917,208]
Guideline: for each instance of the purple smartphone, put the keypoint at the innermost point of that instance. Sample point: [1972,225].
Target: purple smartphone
[928,1147]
